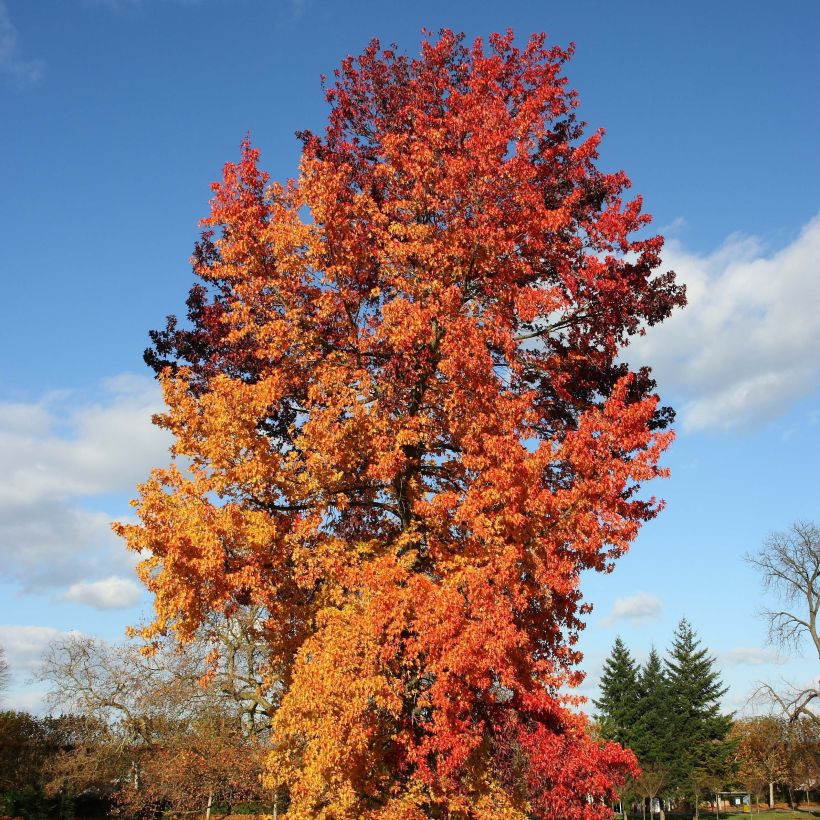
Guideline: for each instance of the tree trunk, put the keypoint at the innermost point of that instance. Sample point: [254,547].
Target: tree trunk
[771,794]
[210,804]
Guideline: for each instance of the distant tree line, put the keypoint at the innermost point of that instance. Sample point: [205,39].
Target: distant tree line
[181,730]
[774,754]
[668,711]
[185,728]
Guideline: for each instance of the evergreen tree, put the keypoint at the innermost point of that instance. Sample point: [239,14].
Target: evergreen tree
[618,702]
[651,740]
[698,746]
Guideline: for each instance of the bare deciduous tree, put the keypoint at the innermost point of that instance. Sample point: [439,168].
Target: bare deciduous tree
[177,682]
[5,674]
[789,564]
[182,725]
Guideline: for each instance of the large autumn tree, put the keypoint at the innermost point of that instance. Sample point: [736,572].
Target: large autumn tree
[404,428]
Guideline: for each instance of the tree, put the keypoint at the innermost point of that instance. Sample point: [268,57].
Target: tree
[618,702]
[699,748]
[176,728]
[5,673]
[407,429]
[802,756]
[29,746]
[653,779]
[651,740]
[221,668]
[197,764]
[789,564]
[760,753]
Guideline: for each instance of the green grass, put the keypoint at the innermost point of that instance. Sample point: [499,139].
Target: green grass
[764,815]
[783,814]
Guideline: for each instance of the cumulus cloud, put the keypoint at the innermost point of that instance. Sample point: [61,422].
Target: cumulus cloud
[50,543]
[752,656]
[58,455]
[66,446]
[25,645]
[12,64]
[107,593]
[637,608]
[745,348]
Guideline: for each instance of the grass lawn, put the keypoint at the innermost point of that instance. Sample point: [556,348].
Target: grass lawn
[783,814]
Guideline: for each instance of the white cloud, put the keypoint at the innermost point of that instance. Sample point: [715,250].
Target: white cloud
[25,700]
[752,656]
[50,543]
[745,348]
[23,72]
[25,645]
[638,607]
[56,455]
[107,593]
[53,449]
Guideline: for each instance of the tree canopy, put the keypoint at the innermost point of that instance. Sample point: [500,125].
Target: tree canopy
[177,729]
[404,427]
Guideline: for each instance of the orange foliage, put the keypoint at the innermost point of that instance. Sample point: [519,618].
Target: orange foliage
[405,432]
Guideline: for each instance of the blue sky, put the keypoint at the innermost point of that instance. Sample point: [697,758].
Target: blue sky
[118,114]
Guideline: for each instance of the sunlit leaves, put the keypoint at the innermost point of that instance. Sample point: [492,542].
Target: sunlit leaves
[403,429]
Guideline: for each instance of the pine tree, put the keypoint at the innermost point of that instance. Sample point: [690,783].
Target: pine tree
[698,744]
[650,740]
[618,702]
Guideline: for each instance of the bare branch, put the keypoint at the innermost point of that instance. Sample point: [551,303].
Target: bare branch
[5,673]
[789,565]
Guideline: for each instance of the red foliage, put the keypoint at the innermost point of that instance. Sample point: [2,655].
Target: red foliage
[411,431]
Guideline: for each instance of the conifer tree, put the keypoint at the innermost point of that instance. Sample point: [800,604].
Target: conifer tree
[698,744]
[650,740]
[618,703]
